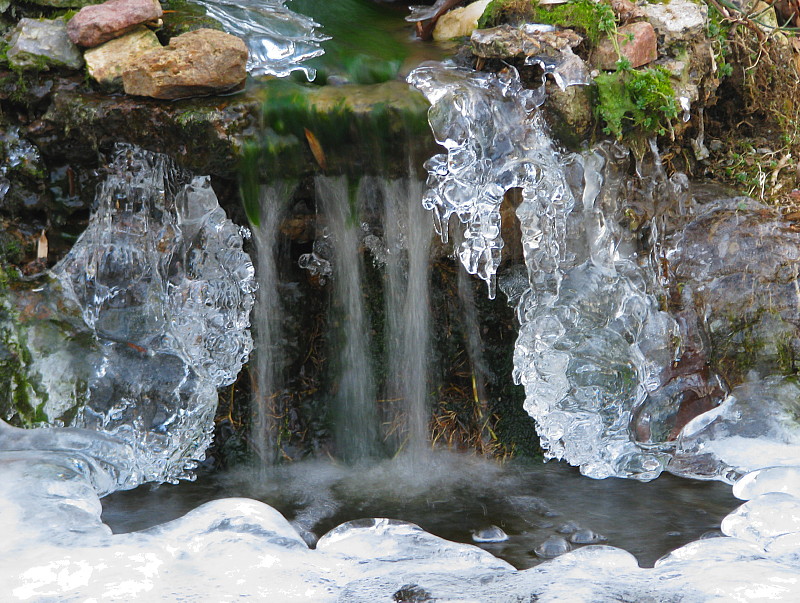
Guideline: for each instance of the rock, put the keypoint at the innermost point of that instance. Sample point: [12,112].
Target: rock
[41,44]
[94,25]
[627,11]
[107,62]
[4,4]
[201,62]
[734,270]
[64,3]
[637,43]
[460,21]
[506,41]
[571,112]
[678,21]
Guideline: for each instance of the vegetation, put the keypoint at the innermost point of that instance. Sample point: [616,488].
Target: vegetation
[642,100]
[595,19]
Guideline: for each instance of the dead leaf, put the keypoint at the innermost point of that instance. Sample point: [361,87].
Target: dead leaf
[42,247]
[316,149]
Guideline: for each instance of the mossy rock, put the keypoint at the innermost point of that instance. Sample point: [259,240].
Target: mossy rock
[734,271]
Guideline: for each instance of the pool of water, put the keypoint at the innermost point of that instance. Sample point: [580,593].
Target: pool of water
[452,496]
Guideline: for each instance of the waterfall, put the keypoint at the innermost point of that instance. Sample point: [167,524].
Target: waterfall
[408,236]
[268,318]
[355,414]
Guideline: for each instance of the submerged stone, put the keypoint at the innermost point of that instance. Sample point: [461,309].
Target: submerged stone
[94,25]
[106,63]
[42,44]
[553,547]
[204,61]
[489,534]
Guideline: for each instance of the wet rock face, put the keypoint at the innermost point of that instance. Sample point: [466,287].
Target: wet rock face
[204,61]
[41,44]
[94,25]
[734,273]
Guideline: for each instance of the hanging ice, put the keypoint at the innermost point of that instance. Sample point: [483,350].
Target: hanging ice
[144,319]
[278,39]
[587,307]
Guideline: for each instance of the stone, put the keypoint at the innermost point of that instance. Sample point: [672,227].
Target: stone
[637,43]
[505,41]
[460,21]
[41,44]
[201,62]
[678,21]
[107,62]
[64,3]
[94,25]
[627,11]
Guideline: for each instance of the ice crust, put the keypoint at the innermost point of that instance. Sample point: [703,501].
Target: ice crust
[142,321]
[56,548]
[278,39]
[592,338]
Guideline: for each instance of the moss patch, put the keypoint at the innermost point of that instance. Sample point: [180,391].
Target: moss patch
[641,100]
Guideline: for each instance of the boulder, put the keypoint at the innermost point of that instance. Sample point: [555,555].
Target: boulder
[201,62]
[678,21]
[41,44]
[107,62]
[637,43]
[460,21]
[100,23]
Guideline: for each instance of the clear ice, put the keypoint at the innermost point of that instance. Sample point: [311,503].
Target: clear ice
[278,39]
[592,338]
[141,322]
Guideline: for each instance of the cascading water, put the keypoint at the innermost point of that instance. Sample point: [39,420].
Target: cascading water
[268,319]
[356,420]
[408,234]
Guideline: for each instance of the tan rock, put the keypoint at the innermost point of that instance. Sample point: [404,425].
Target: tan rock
[107,62]
[637,42]
[459,21]
[197,63]
[94,25]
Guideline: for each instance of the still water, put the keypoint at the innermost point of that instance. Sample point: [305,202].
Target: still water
[452,496]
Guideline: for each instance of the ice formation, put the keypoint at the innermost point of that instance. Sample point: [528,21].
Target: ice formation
[278,39]
[591,337]
[144,319]
[56,548]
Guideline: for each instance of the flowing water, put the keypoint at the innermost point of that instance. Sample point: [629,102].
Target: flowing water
[268,317]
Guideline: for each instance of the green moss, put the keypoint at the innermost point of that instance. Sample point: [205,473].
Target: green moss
[636,101]
[19,403]
[595,19]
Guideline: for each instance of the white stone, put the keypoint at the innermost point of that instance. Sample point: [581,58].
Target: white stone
[460,21]
[677,21]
